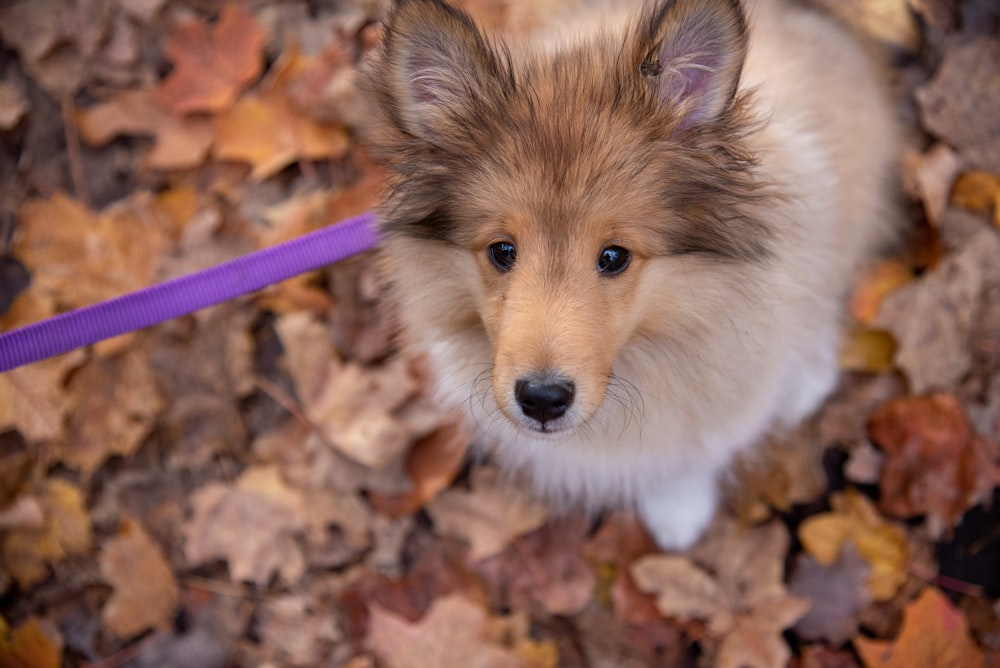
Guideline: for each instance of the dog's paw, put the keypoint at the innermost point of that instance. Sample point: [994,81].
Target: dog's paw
[678,512]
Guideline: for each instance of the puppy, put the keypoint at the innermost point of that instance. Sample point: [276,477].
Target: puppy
[625,249]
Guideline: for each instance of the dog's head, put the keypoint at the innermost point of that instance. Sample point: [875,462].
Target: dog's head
[564,205]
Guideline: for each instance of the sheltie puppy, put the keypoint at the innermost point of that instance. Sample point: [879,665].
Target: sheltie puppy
[625,249]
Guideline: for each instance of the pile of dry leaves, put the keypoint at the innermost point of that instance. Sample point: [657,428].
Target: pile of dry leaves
[264,483]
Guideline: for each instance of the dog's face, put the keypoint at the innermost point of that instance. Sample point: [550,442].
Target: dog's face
[564,206]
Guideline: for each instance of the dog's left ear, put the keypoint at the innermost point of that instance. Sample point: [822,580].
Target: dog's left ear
[690,53]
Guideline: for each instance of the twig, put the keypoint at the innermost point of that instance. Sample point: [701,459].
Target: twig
[74,152]
[945,582]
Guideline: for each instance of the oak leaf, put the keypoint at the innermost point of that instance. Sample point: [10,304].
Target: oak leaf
[733,582]
[936,464]
[211,65]
[145,592]
[934,635]
[452,633]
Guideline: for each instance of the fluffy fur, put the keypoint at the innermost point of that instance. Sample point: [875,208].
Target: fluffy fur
[741,156]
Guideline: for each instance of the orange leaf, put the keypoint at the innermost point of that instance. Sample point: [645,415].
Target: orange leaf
[870,350]
[267,131]
[211,65]
[976,191]
[934,635]
[29,646]
[878,281]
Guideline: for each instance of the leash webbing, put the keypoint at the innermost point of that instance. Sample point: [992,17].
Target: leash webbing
[179,296]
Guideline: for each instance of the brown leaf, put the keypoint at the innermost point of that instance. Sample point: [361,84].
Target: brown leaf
[297,630]
[253,525]
[145,592]
[489,516]
[934,635]
[13,106]
[266,130]
[732,581]
[211,65]
[978,191]
[67,533]
[929,177]
[936,464]
[33,398]
[179,143]
[931,318]
[452,633]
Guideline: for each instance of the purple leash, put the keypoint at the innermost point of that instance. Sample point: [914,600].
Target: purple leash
[183,295]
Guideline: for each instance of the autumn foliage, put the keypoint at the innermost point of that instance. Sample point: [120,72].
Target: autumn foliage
[266,482]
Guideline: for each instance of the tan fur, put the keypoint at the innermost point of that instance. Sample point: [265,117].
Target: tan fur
[747,198]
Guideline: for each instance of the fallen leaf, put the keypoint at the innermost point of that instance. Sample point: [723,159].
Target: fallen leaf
[888,21]
[838,592]
[879,280]
[934,635]
[27,554]
[253,525]
[116,404]
[867,350]
[936,465]
[958,104]
[452,633]
[488,516]
[13,106]
[929,177]
[978,191]
[297,629]
[179,143]
[733,582]
[145,592]
[33,398]
[211,64]
[855,520]
[31,645]
[544,569]
[931,318]
[265,130]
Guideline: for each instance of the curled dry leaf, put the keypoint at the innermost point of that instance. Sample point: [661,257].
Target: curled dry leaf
[211,64]
[145,592]
[978,191]
[452,633]
[929,177]
[33,644]
[934,635]
[936,465]
[488,516]
[854,520]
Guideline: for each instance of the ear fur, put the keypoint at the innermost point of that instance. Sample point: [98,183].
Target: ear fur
[691,54]
[436,63]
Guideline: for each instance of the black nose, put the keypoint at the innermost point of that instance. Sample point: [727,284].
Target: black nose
[544,400]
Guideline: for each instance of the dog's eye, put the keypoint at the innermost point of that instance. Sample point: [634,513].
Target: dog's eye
[613,260]
[502,255]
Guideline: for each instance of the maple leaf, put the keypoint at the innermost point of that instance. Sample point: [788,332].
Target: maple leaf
[838,593]
[298,635]
[211,65]
[732,581]
[145,592]
[452,633]
[934,635]
[266,130]
[855,520]
[488,516]
[936,464]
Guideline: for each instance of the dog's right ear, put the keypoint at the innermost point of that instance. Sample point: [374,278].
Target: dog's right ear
[436,64]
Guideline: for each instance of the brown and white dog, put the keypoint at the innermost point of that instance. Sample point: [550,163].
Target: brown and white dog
[625,249]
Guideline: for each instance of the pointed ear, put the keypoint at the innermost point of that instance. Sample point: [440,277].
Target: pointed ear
[691,53]
[435,63]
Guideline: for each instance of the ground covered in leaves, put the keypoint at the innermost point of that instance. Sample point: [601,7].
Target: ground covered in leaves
[263,483]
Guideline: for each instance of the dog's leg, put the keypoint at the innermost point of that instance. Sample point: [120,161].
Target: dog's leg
[677,511]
